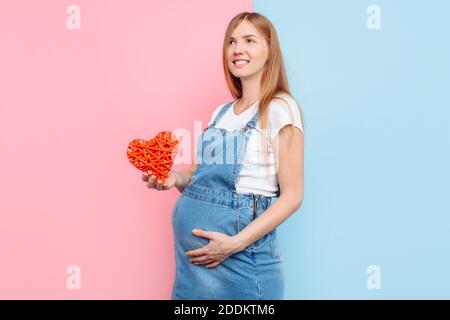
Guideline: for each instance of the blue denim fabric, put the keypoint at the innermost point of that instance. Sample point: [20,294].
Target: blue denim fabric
[210,202]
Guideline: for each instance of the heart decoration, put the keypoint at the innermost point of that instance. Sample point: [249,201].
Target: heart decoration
[155,155]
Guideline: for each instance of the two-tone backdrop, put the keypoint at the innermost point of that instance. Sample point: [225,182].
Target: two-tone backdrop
[80,79]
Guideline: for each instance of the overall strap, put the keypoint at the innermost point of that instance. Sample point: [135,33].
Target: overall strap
[252,123]
[221,113]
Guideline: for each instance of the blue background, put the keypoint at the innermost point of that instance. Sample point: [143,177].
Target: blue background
[376,107]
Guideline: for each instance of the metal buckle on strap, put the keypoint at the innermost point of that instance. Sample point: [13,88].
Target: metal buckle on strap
[255,204]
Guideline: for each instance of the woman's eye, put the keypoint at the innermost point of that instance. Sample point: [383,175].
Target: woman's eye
[248,40]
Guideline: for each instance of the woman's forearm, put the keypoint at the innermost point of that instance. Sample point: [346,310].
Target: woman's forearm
[267,221]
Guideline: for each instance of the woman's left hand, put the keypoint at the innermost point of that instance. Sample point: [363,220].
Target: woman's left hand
[219,248]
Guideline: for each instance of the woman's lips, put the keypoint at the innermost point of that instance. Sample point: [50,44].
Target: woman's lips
[241,63]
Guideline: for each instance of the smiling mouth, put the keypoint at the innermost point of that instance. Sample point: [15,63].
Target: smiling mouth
[241,62]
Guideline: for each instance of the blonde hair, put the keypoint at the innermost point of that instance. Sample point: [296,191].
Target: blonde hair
[274,82]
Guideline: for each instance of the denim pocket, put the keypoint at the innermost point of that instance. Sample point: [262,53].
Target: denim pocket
[274,245]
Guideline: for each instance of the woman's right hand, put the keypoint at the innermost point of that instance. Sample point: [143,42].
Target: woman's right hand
[153,183]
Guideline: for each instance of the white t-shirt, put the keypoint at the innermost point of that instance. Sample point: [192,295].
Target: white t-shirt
[253,177]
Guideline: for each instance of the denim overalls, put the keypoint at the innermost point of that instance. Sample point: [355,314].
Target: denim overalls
[210,202]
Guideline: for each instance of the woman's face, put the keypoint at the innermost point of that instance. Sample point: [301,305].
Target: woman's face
[247,51]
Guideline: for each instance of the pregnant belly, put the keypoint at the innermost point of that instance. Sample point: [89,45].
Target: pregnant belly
[189,214]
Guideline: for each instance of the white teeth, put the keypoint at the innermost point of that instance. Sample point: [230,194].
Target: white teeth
[240,62]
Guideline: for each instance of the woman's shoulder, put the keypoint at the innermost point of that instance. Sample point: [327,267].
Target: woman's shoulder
[283,102]
[283,110]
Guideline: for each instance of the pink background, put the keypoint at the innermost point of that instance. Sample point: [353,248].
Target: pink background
[70,102]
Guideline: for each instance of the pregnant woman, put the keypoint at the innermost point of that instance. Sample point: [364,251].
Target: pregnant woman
[247,177]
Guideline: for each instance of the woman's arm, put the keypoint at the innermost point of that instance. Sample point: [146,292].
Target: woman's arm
[289,143]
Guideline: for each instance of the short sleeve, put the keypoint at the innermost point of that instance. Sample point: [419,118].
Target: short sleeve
[283,112]
[215,113]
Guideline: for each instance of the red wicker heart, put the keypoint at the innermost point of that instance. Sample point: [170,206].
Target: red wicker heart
[155,155]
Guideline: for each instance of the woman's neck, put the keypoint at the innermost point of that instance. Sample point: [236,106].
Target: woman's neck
[250,90]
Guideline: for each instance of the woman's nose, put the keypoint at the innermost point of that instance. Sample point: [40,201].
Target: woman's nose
[237,48]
